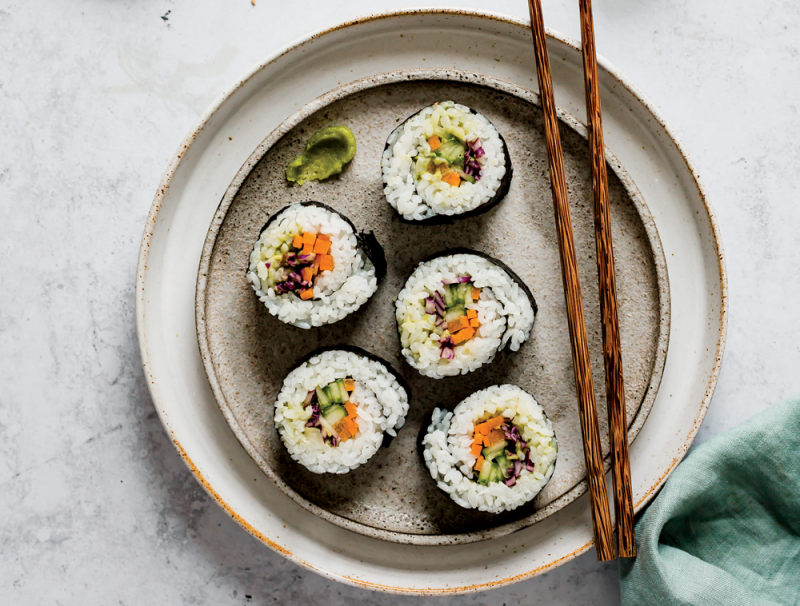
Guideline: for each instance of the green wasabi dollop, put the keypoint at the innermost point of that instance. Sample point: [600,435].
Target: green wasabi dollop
[326,153]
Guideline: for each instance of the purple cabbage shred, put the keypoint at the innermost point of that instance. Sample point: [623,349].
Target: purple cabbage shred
[457,280]
[430,306]
[471,165]
[511,432]
[438,302]
[313,421]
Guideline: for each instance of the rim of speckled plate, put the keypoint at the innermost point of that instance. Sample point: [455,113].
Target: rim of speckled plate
[318,104]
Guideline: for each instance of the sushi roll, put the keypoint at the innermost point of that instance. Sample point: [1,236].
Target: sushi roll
[445,162]
[458,310]
[310,267]
[494,452]
[335,407]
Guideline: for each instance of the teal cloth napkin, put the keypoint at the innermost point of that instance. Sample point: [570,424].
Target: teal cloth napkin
[725,529]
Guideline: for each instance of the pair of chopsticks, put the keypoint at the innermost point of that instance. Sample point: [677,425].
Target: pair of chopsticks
[612,357]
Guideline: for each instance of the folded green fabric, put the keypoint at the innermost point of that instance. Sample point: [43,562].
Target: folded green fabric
[725,529]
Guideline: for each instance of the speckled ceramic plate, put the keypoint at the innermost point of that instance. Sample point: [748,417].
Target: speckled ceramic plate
[247,352]
[208,161]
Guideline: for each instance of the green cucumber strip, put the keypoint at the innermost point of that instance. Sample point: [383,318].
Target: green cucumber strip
[452,150]
[503,463]
[454,313]
[335,414]
[490,452]
[345,397]
[486,472]
[322,397]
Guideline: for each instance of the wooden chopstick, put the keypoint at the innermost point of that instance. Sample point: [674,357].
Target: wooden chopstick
[612,353]
[587,408]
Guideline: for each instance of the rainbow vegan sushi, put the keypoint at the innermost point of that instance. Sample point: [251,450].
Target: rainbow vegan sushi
[334,409]
[494,452]
[445,162]
[458,310]
[310,267]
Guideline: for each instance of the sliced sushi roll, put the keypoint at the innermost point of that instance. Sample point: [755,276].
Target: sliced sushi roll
[310,267]
[494,452]
[458,310]
[445,162]
[335,407]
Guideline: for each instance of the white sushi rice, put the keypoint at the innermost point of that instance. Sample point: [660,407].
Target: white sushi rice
[504,311]
[337,293]
[381,401]
[429,196]
[446,449]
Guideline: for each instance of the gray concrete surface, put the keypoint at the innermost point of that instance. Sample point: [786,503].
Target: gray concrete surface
[95,505]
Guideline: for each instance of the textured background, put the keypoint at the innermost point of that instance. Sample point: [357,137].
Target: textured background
[95,505]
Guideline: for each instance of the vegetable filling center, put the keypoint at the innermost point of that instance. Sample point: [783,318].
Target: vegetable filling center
[454,321]
[501,452]
[295,266]
[333,414]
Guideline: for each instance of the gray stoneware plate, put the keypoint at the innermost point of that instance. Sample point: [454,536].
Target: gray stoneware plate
[215,149]
[247,352]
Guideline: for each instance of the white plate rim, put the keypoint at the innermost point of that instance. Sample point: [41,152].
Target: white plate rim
[205,118]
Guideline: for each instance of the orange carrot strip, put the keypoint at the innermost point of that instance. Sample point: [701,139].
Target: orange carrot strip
[325,237]
[435,143]
[307,294]
[496,436]
[326,262]
[351,409]
[495,422]
[463,335]
[349,384]
[452,179]
[321,247]
[476,293]
[479,464]
[475,323]
[471,313]
[482,429]
[307,273]
[298,241]
[309,237]
[351,425]
[341,429]
[455,325]
[307,248]
[476,449]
